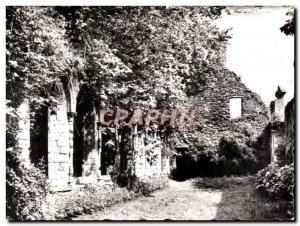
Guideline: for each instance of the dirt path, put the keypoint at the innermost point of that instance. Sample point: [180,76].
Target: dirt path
[198,199]
[181,201]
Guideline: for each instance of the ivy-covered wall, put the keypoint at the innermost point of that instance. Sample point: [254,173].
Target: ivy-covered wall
[213,110]
[212,107]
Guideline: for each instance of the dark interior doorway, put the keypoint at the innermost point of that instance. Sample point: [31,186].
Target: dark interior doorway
[108,151]
[39,136]
[84,130]
[184,165]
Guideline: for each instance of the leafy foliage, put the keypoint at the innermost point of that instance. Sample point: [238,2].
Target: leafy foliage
[94,198]
[38,53]
[158,44]
[289,27]
[146,186]
[277,182]
[234,158]
[127,56]
[26,189]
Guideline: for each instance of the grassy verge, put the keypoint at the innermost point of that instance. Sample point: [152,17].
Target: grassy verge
[241,201]
[89,199]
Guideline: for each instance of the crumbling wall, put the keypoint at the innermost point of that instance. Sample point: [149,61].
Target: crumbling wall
[212,106]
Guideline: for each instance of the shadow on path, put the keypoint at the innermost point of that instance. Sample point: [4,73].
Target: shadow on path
[240,201]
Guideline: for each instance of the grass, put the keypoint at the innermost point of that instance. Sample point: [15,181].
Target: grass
[241,201]
[92,198]
[232,198]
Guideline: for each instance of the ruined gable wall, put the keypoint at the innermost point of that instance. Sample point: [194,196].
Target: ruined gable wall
[212,105]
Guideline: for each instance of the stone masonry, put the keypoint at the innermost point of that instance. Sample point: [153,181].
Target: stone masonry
[60,148]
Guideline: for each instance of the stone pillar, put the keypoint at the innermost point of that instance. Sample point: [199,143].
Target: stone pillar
[23,136]
[117,157]
[58,147]
[277,125]
[71,116]
[99,142]
[273,142]
[165,155]
[134,146]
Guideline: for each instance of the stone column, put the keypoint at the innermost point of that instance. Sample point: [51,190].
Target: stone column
[273,148]
[71,116]
[117,157]
[23,136]
[134,149]
[99,146]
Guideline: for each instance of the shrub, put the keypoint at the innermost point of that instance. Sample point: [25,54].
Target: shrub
[26,189]
[87,200]
[126,180]
[276,182]
[234,158]
[93,198]
[145,186]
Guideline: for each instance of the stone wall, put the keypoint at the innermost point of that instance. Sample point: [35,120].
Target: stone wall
[58,132]
[151,149]
[212,104]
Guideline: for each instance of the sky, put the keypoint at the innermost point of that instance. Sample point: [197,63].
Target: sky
[259,53]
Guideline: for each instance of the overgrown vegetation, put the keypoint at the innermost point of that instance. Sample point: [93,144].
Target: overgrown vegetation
[132,56]
[241,201]
[143,57]
[26,189]
[277,182]
[91,198]
[232,155]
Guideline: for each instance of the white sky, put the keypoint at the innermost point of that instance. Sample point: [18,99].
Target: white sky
[259,53]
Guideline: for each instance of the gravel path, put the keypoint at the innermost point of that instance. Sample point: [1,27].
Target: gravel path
[181,201]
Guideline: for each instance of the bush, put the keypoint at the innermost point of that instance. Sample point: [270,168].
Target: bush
[234,158]
[26,189]
[142,186]
[125,180]
[145,186]
[93,198]
[276,182]
[86,201]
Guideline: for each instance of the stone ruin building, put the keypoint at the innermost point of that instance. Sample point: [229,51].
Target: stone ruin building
[70,139]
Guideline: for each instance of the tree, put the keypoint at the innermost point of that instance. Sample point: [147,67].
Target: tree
[160,45]
[289,27]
